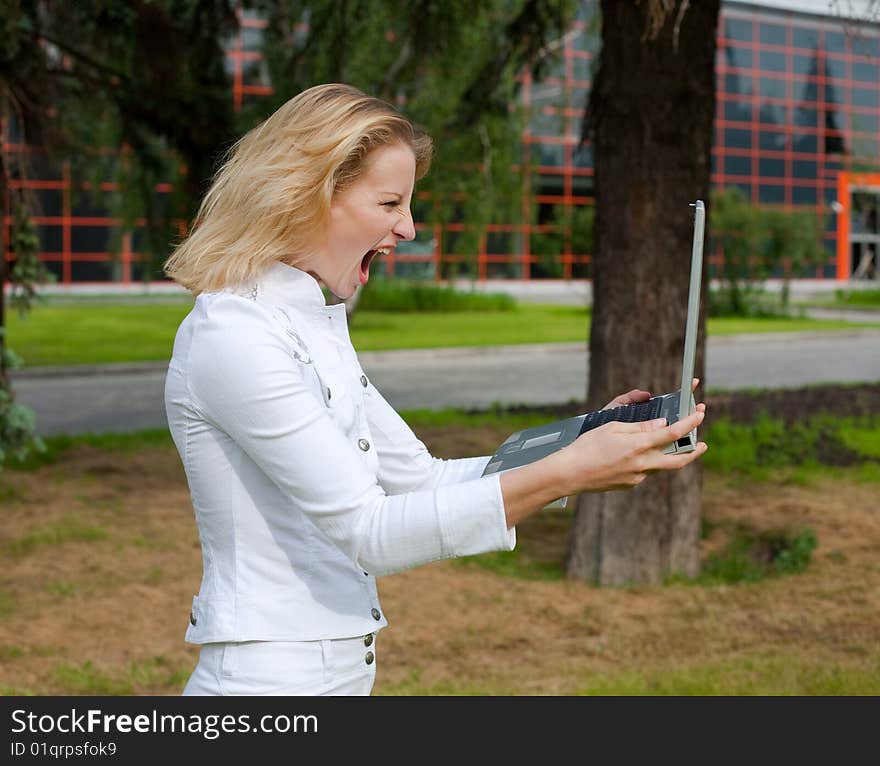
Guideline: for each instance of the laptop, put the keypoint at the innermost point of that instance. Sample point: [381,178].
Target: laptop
[531,444]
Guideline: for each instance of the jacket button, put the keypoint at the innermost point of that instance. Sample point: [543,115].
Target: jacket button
[364,381]
[363,444]
[368,639]
[376,614]
[369,658]
[192,619]
[329,394]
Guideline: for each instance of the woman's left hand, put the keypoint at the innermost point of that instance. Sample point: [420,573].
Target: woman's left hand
[637,395]
[630,397]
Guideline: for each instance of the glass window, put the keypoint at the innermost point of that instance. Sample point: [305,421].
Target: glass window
[805,38]
[835,68]
[865,71]
[739,57]
[864,123]
[772,61]
[807,143]
[771,168]
[543,123]
[499,242]
[737,166]
[772,141]
[733,83]
[772,34]
[805,117]
[582,156]
[737,29]
[737,111]
[804,64]
[804,195]
[771,194]
[580,68]
[55,268]
[832,94]
[865,97]
[771,87]
[49,202]
[835,42]
[865,147]
[739,139]
[773,114]
[865,46]
[92,271]
[805,93]
[548,154]
[89,239]
[251,38]
[577,98]
[542,94]
[51,239]
[804,169]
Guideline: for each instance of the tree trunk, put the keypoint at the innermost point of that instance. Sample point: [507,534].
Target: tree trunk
[651,113]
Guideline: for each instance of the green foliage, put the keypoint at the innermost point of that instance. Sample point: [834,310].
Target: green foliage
[868,298]
[28,270]
[751,555]
[756,242]
[453,66]
[397,296]
[757,451]
[573,223]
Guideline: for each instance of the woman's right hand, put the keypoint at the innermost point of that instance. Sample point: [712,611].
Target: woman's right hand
[620,455]
[613,456]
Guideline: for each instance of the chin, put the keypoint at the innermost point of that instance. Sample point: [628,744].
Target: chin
[342,293]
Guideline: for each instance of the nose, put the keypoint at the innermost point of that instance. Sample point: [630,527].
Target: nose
[405,227]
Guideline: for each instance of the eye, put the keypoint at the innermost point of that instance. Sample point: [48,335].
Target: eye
[393,203]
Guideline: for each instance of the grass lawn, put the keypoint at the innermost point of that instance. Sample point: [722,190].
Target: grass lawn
[90,332]
[75,622]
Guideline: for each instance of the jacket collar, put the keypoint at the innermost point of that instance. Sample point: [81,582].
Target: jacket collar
[289,286]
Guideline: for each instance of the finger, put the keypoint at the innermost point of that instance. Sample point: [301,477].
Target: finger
[636,395]
[674,461]
[675,431]
[694,383]
[621,427]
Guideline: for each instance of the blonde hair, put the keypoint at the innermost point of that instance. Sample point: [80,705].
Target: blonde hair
[271,197]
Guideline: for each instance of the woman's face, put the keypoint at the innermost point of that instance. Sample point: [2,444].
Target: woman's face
[369,216]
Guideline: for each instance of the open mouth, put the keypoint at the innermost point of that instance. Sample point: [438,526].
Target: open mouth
[364,274]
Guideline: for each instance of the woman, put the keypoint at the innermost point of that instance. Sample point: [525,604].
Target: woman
[306,484]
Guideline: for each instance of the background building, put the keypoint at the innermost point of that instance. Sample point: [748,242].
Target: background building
[797,126]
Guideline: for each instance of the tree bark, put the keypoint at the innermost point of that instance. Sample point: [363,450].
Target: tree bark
[650,114]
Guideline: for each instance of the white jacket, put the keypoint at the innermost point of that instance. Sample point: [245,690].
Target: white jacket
[304,481]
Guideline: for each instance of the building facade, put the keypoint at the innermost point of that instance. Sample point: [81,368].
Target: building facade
[797,126]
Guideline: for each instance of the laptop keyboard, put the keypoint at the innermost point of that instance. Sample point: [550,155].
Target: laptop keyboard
[630,413]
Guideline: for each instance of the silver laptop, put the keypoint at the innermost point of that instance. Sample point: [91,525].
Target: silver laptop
[532,444]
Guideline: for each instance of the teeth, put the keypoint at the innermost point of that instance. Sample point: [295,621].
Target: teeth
[383,250]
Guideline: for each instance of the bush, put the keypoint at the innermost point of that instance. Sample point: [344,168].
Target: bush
[755,243]
[397,296]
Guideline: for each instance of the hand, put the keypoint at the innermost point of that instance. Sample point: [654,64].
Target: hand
[621,455]
[630,397]
[637,395]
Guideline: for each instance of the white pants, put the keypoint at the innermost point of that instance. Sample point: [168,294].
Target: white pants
[343,666]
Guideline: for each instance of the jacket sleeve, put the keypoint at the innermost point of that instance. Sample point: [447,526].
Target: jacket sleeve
[404,461]
[244,381]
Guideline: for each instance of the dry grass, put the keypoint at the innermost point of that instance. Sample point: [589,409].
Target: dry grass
[101,560]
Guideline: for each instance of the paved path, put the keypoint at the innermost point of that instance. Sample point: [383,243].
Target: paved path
[130,397]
